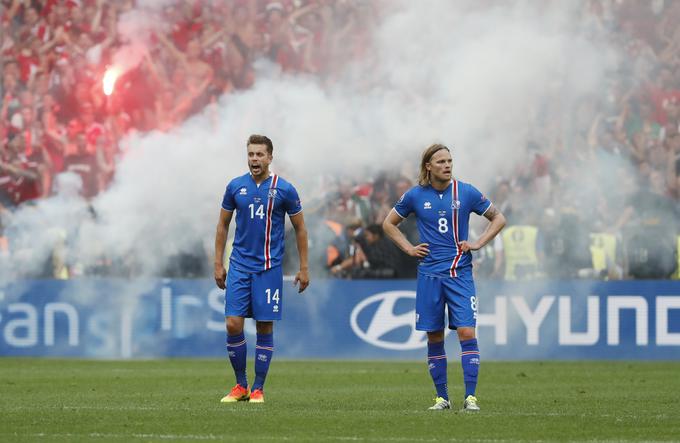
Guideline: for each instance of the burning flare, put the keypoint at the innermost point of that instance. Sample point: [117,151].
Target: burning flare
[109,81]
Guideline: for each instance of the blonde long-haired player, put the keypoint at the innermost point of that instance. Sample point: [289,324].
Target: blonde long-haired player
[442,206]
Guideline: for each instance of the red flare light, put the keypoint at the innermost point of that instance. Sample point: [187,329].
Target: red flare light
[109,81]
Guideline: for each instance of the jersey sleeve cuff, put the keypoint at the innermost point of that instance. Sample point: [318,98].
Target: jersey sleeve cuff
[397,212]
[487,208]
[291,215]
[227,209]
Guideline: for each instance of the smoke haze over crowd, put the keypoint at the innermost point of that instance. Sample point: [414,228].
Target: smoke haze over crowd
[473,77]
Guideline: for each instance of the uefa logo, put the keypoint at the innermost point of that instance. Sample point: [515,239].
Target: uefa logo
[375,321]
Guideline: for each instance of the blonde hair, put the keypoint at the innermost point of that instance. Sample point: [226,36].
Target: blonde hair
[424,178]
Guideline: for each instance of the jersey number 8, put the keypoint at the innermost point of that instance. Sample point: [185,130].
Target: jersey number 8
[443,225]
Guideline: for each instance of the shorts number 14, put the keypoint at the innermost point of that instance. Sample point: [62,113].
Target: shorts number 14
[271,297]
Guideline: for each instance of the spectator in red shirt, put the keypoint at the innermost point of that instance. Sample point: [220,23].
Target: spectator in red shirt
[20,175]
[83,163]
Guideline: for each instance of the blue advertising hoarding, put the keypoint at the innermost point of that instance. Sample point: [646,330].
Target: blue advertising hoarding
[339,319]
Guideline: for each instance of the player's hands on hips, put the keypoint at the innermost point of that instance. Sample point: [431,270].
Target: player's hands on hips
[302,278]
[220,276]
[419,251]
[467,246]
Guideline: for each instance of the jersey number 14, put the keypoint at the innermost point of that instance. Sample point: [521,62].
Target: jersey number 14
[259,211]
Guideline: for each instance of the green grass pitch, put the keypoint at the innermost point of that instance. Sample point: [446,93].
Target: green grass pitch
[333,401]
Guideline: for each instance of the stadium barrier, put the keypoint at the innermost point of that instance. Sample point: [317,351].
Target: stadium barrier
[339,319]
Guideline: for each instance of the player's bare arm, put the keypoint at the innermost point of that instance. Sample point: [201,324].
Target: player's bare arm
[302,277]
[220,243]
[390,227]
[497,220]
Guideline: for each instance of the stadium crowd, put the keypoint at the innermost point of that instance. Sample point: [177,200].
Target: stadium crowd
[55,116]
[604,182]
[603,173]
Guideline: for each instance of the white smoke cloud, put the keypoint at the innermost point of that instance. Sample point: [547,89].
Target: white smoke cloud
[454,72]
[135,28]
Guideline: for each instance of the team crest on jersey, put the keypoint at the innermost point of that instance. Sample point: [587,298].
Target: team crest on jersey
[272,193]
[455,204]
[427,205]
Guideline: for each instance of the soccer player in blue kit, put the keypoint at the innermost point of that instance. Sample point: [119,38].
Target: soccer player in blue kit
[442,206]
[254,283]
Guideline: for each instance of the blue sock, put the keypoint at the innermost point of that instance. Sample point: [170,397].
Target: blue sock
[238,349]
[263,356]
[469,358]
[436,362]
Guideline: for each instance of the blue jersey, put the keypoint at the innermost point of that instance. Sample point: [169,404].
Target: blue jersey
[443,218]
[260,220]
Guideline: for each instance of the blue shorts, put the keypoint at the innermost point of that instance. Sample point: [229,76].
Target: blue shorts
[434,293]
[253,295]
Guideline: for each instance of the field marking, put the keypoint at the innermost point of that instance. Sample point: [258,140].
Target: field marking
[277,438]
[240,438]
[98,408]
[421,412]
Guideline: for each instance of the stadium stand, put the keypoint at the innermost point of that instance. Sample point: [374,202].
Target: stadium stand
[55,117]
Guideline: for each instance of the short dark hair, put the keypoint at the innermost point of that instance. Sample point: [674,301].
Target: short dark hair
[375,230]
[256,139]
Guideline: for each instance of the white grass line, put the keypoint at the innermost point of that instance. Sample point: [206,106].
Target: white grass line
[97,408]
[186,437]
[199,437]
[415,412]
[125,436]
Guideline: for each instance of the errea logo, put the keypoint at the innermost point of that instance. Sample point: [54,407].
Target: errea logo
[243,191]
[427,205]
